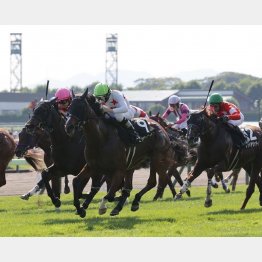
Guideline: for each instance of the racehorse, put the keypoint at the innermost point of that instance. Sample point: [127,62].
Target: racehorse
[107,154]
[7,151]
[217,150]
[42,140]
[184,156]
[67,152]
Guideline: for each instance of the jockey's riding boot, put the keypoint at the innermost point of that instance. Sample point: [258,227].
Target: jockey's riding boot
[260,124]
[130,127]
[241,141]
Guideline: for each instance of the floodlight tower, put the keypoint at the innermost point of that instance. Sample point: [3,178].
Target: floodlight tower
[111,77]
[15,61]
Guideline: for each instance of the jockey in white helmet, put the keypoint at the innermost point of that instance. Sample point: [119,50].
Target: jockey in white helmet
[180,110]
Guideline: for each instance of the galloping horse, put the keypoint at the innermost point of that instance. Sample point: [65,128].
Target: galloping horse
[42,140]
[107,154]
[182,155]
[217,150]
[67,152]
[7,151]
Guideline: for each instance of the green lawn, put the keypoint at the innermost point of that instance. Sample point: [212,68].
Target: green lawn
[185,218]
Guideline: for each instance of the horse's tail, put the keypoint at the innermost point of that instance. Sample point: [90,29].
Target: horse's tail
[36,160]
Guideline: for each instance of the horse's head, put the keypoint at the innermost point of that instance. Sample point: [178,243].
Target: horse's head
[159,120]
[82,109]
[42,117]
[26,142]
[196,126]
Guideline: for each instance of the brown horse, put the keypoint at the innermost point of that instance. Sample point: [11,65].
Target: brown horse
[107,154]
[217,150]
[7,151]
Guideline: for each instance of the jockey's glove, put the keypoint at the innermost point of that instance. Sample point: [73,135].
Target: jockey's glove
[224,119]
[107,109]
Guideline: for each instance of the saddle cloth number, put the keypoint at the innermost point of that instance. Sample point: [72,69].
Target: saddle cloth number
[142,123]
[248,133]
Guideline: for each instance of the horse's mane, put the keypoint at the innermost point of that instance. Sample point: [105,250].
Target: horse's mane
[95,105]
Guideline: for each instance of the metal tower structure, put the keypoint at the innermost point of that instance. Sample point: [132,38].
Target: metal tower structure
[111,77]
[15,62]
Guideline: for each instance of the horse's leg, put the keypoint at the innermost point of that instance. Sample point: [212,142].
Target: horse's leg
[223,182]
[192,175]
[178,178]
[117,179]
[56,186]
[254,173]
[162,183]
[79,183]
[128,186]
[66,188]
[235,174]
[151,183]
[34,190]
[208,200]
[47,174]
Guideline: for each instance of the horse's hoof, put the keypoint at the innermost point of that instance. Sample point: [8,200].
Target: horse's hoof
[260,202]
[57,202]
[25,197]
[188,193]
[114,212]
[215,185]
[177,197]
[82,212]
[227,190]
[102,211]
[66,190]
[208,203]
[134,207]
[155,198]
[57,210]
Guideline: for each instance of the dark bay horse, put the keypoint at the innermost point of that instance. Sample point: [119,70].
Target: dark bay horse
[67,152]
[184,155]
[217,150]
[40,139]
[7,151]
[106,154]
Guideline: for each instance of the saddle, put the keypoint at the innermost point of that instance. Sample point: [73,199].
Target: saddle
[126,135]
[238,136]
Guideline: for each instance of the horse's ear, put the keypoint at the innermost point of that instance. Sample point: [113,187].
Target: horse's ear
[150,113]
[85,93]
[73,94]
[158,113]
[52,100]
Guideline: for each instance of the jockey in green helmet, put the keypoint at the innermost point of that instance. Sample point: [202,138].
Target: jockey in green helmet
[117,106]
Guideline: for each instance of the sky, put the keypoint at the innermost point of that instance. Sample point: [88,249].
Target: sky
[63,53]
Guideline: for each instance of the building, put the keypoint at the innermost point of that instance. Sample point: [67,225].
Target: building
[147,98]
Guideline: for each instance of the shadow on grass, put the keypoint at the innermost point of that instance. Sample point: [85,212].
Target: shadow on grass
[235,212]
[107,223]
[3,210]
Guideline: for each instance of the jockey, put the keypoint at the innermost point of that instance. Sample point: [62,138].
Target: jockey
[228,113]
[117,106]
[63,100]
[181,112]
[138,112]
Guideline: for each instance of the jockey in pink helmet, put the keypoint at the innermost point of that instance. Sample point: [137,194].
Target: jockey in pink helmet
[63,98]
